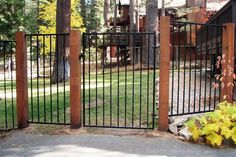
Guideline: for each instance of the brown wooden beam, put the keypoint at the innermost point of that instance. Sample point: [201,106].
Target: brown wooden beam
[228,62]
[164,72]
[75,79]
[21,81]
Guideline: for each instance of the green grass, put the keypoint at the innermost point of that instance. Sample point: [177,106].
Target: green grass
[7,104]
[122,106]
[53,105]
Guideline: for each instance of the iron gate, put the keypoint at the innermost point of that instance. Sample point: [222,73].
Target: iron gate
[119,71]
[48,83]
[195,51]
[7,85]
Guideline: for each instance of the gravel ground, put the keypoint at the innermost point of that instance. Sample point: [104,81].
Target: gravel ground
[188,94]
[193,95]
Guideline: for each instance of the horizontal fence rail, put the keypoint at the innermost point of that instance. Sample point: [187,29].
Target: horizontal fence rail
[119,71]
[7,85]
[48,78]
[194,85]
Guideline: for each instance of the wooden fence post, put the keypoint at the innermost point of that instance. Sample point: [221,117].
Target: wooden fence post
[21,81]
[164,73]
[75,79]
[228,62]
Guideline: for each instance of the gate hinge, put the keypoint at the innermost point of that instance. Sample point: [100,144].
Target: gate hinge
[81,56]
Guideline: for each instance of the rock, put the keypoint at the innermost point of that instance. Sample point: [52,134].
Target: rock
[171,119]
[185,133]
[173,129]
[179,121]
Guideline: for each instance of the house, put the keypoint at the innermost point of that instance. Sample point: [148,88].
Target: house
[226,14]
[198,11]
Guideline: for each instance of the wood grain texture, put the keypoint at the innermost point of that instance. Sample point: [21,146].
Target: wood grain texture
[75,79]
[228,65]
[21,81]
[164,73]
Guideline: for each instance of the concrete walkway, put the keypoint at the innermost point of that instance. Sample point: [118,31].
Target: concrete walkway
[86,145]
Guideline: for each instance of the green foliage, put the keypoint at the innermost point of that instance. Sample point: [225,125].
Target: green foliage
[48,17]
[17,15]
[93,15]
[216,126]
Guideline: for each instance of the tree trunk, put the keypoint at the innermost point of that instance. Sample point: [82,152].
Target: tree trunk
[151,26]
[106,13]
[133,28]
[61,61]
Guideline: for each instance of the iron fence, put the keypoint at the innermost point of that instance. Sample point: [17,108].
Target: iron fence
[119,71]
[7,85]
[48,73]
[194,71]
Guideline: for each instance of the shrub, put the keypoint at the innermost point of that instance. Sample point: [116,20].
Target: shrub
[215,126]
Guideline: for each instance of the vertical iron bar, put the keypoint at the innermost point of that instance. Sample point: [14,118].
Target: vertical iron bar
[12,96]
[5,97]
[111,79]
[118,83]
[50,76]
[38,78]
[31,80]
[140,94]
[148,72]
[89,43]
[126,51]
[96,55]
[206,53]
[84,44]
[133,50]
[64,76]
[154,78]
[44,86]
[103,79]
[215,60]
[185,54]
[195,69]
[211,53]
[200,86]
[57,78]
[173,67]
[178,68]
[190,68]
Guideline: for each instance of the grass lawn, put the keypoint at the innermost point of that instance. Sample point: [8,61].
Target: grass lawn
[119,100]
[7,104]
[109,99]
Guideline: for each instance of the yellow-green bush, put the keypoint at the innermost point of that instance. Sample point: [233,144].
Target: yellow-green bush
[215,126]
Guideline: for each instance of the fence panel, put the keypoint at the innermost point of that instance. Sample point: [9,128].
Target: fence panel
[7,85]
[48,73]
[119,80]
[194,69]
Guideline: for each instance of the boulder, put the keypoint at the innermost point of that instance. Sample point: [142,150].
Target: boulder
[185,133]
[173,129]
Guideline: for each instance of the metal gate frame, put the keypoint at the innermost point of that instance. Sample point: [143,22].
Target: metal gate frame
[114,69]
